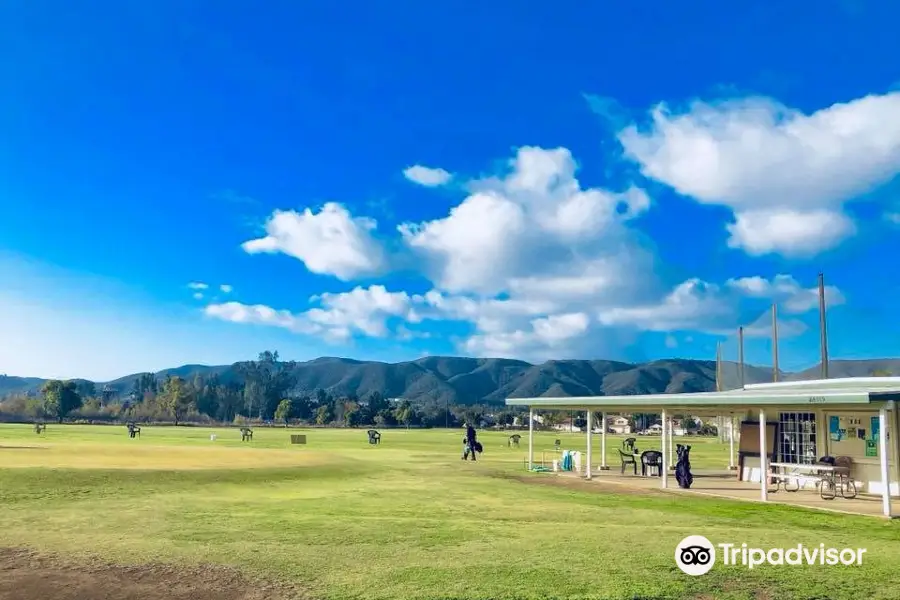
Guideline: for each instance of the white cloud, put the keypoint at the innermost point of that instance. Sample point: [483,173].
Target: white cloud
[892,217]
[539,267]
[362,310]
[696,305]
[692,305]
[535,222]
[671,342]
[784,290]
[198,296]
[546,334]
[786,175]
[225,288]
[198,285]
[427,176]
[330,242]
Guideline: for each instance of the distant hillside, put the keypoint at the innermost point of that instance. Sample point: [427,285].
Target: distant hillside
[458,380]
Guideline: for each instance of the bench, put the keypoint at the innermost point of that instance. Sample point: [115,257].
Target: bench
[133,430]
[246,434]
[514,440]
[829,479]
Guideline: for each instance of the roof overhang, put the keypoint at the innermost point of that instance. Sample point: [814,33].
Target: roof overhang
[831,392]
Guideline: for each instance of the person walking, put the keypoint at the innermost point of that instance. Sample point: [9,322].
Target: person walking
[469,443]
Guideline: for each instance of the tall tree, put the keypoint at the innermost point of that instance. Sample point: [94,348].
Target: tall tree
[267,381]
[177,398]
[60,398]
[404,413]
[284,411]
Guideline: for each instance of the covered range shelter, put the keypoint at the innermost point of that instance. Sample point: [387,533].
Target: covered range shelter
[797,421]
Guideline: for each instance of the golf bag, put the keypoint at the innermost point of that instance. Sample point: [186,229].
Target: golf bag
[683,467]
[478,447]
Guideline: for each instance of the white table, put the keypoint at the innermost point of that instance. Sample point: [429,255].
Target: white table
[829,477]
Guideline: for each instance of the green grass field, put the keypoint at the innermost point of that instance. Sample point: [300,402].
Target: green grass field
[408,519]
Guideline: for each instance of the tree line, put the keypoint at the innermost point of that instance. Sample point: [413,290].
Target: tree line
[265,391]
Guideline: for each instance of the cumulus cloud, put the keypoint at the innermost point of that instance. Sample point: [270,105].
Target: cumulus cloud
[536,264]
[225,288]
[696,305]
[198,285]
[364,311]
[330,242]
[787,293]
[427,176]
[785,175]
[535,221]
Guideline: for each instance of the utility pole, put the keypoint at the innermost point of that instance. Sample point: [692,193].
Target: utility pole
[774,342]
[823,333]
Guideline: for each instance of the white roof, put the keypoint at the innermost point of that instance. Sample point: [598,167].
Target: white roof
[847,391]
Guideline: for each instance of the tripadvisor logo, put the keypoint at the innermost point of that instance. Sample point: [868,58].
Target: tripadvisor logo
[696,555]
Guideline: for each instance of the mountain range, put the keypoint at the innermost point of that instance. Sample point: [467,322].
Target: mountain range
[467,381]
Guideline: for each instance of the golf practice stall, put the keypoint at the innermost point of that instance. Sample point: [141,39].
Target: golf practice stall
[785,427]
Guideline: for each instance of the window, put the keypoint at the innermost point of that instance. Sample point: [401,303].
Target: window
[797,432]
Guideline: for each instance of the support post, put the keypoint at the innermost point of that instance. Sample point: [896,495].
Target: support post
[763,458]
[590,445]
[883,460]
[670,439]
[665,461]
[603,465]
[731,465]
[741,355]
[530,439]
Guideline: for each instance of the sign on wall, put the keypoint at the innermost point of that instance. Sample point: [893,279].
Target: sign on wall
[872,441]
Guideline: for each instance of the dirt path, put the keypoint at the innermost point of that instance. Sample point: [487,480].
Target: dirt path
[27,575]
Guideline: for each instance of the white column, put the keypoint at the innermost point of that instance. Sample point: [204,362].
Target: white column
[883,459]
[590,445]
[530,438]
[603,466]
[763,458]
[731,466]
[671,437]
[665,461]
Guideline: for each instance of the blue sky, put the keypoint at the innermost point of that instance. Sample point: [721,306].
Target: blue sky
[494,179]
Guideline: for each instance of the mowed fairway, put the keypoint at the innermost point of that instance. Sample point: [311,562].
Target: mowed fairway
[339,518]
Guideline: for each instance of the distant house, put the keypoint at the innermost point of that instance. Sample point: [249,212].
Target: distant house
[619,425]
[655,429]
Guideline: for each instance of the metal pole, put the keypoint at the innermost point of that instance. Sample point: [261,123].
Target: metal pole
[590,444]
[774,342]
[883,461]
[731,466]
[718,366]
[823,333]
[763,458]
[603,466]
[665,458]
[741,355]
[530,439]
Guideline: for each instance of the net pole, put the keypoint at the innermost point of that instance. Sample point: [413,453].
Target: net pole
[823,334]
[774,342]
[718,366]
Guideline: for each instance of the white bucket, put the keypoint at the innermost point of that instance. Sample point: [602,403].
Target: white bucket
[212,438]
